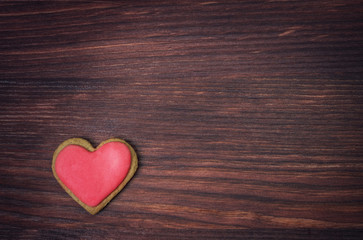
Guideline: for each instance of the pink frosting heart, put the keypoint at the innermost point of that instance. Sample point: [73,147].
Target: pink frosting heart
[92,176]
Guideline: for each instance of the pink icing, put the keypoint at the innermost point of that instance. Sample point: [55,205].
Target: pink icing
[92,176]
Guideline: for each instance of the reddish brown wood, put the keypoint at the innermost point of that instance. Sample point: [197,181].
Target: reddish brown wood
[246,116]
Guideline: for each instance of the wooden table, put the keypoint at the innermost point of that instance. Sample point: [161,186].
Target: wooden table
[246,117]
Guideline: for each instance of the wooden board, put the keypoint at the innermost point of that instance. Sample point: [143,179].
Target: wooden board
[246,116]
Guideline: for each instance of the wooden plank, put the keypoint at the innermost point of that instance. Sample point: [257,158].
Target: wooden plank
[246,116]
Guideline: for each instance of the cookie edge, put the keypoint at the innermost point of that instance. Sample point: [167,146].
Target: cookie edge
[88,146]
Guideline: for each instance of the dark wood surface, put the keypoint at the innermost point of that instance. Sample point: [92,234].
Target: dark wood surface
[246,116]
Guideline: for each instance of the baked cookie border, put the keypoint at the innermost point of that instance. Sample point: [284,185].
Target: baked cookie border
[88,146]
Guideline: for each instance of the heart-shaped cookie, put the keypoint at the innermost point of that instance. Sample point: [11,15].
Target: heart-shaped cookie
[93,177]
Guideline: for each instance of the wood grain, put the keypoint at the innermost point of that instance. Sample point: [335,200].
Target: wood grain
[246,116]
